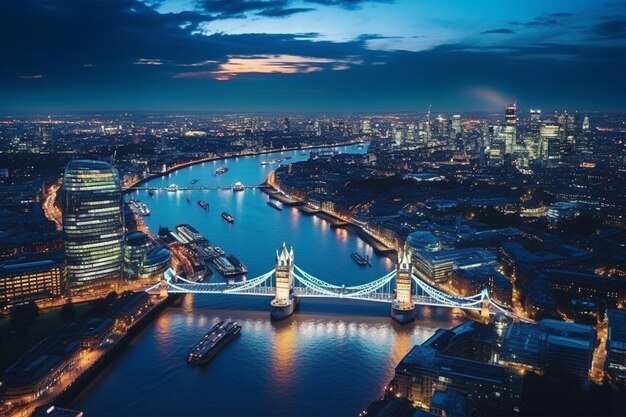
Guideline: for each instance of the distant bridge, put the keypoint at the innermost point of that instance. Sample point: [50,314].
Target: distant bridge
[192,188]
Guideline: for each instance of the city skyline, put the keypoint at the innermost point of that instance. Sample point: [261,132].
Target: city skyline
[310,55]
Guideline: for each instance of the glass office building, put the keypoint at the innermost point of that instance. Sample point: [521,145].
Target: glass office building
[93,225]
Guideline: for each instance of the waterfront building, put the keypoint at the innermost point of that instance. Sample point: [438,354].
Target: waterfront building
[438,265]
[128,308]
[26,279]
[424,371]
[472,281]
[39,369]
[144,258]
[550,345]
[615,362]
[92,223]
[421,241]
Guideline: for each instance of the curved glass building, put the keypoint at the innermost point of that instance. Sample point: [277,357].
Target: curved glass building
[93,223]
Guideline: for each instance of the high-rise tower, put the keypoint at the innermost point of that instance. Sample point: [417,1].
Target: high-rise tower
[93,223]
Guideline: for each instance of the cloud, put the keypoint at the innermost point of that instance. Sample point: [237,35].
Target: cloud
[561,14]
[612,29]
[347,4]
[283,12]
[148,61]
[271,64]
[31,77]
[496,31]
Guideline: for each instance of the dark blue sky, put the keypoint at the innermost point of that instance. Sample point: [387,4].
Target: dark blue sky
[311,55]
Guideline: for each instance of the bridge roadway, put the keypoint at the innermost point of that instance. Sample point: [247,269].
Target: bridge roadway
[306,285]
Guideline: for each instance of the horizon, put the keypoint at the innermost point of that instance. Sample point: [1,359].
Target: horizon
[310,55]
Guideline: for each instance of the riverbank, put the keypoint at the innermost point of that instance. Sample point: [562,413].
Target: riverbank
[91,362]
[239,155]
[335,221]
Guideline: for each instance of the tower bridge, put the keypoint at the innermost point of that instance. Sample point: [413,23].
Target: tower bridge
[288,283]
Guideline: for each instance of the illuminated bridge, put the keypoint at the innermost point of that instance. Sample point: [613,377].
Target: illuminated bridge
[287,283]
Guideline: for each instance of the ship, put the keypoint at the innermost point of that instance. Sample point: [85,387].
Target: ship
[194,181]
[263,163]
[188,200]
[228,217]
[139,208]
[203,204]
[172,188]
[213,342]
[151,192]
[359,259]
[221,170]
[276,204]
[287,157]
[229,265]
[238,186]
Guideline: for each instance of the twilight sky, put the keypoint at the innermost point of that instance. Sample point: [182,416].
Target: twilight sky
[311,55]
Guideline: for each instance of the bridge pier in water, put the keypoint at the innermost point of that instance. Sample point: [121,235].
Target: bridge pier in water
[402,307]
[285,301]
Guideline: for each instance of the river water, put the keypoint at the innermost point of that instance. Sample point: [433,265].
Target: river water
[331,358]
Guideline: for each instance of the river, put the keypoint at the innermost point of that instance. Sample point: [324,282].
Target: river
[331,358]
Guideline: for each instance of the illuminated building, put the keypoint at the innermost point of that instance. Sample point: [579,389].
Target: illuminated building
[535,115]
[424,371]
[550,143]
[92,223]
[456,125]
[38,369]
[551,345]
[25,279]
[438,265]
[128,308]
[144,258]
[615,363]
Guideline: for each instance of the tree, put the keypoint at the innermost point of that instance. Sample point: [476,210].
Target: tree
[23,316]
[68,312]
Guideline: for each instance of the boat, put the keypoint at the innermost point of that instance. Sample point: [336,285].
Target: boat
[151,192]
[228,217]
[172,188]
[359,259]
[213,342]
[139,208]
[287,157]
[238,186]
[188,200]
[203,204]
[194,181]
[276,204]
[221,170]
[263,163]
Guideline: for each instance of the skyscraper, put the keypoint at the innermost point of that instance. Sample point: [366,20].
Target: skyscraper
[93,227]
[550,148]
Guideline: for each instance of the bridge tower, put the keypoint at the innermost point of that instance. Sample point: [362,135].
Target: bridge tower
[163,288]
[484,310]
[285,301]
[402,307]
